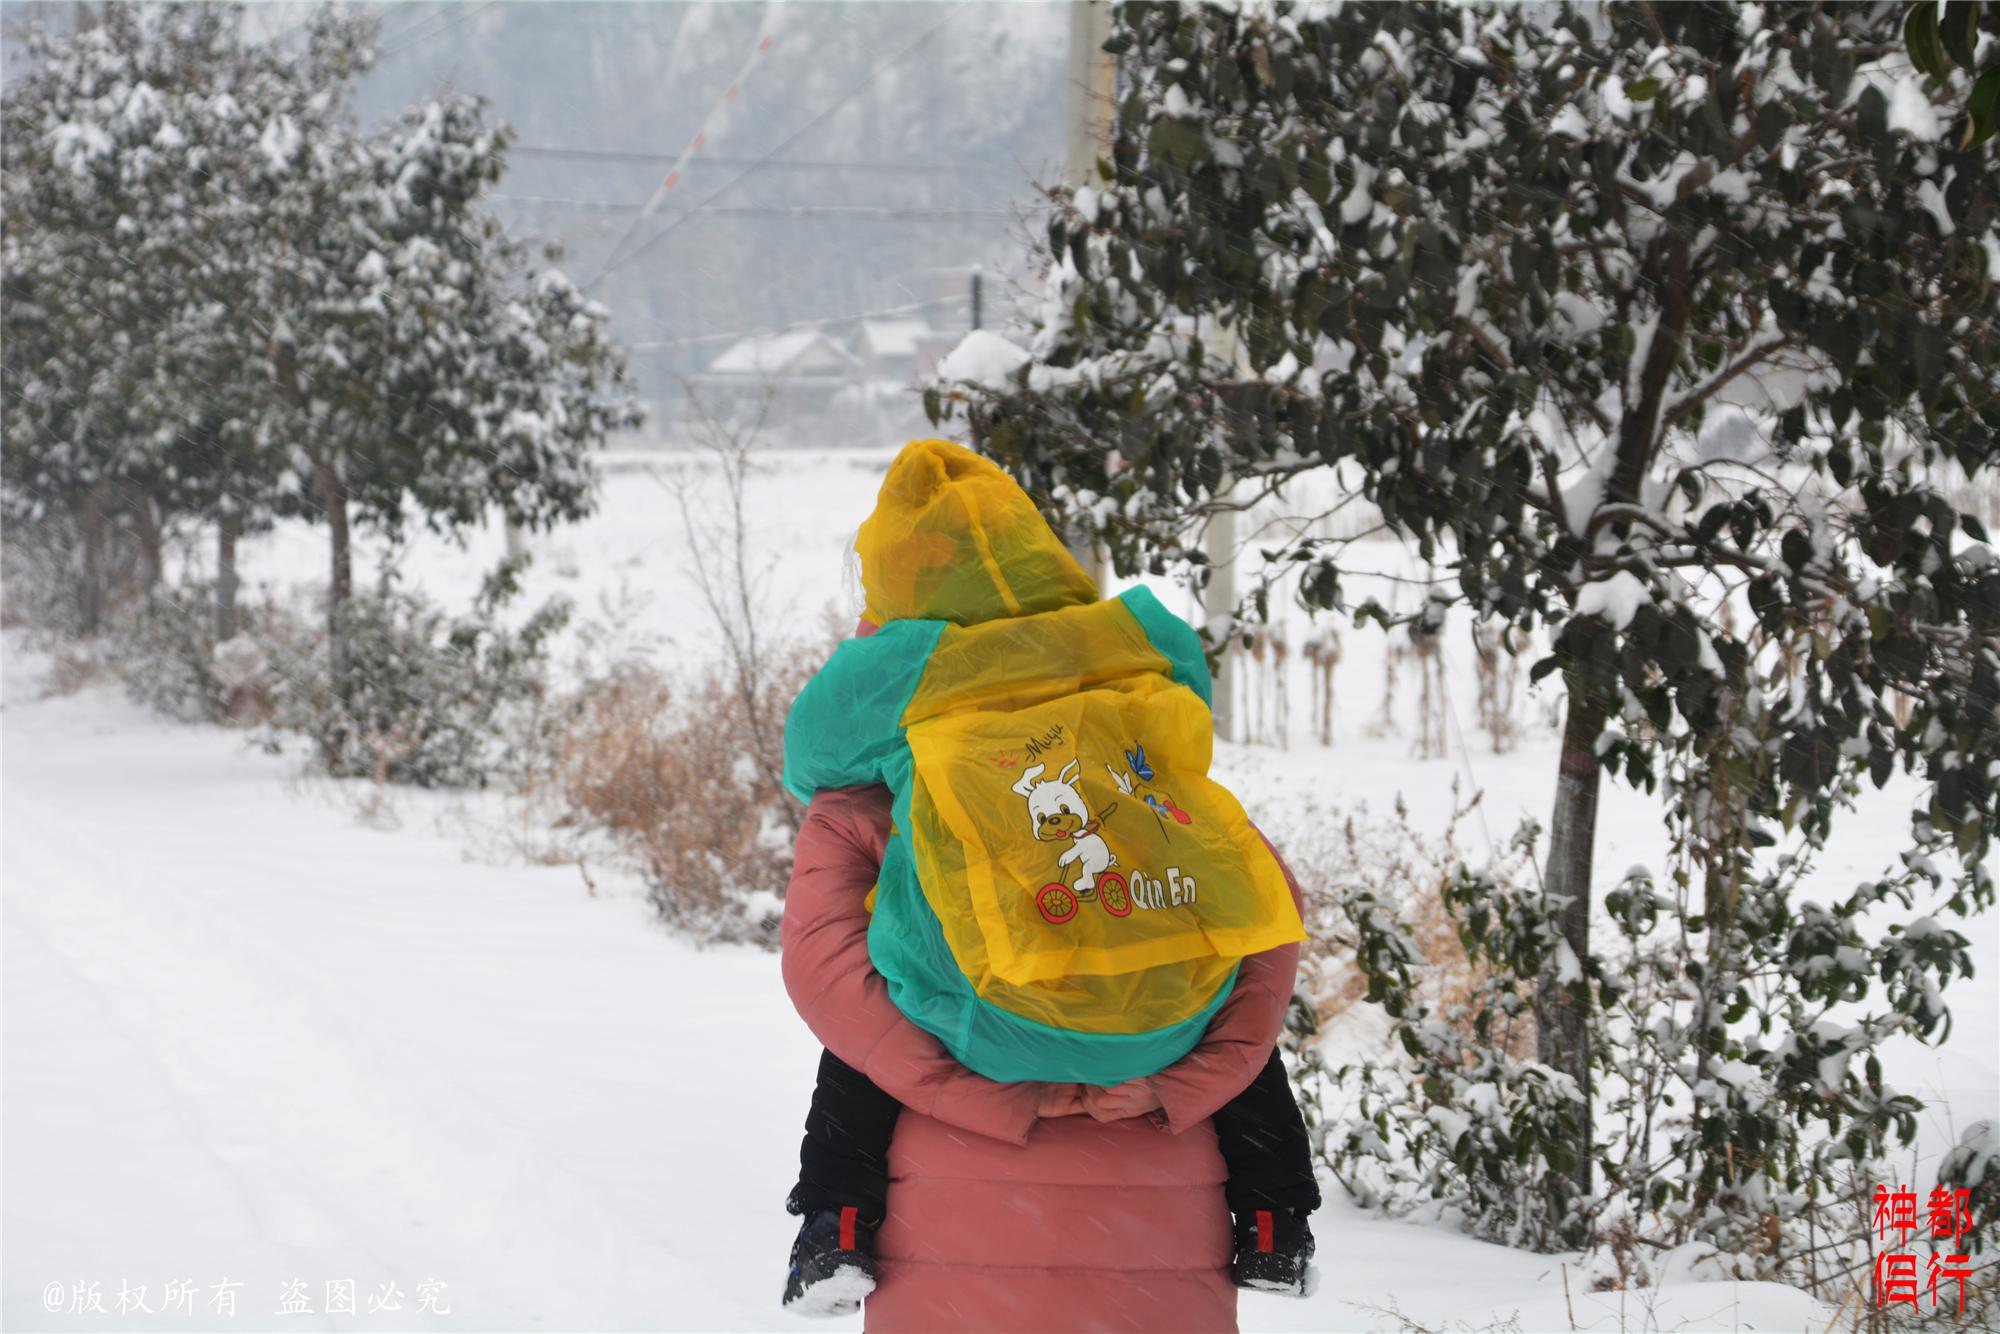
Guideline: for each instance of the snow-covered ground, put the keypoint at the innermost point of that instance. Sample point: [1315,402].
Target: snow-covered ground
[253,1037]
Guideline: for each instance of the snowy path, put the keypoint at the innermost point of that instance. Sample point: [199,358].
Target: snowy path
[249,1038]
[246,1037]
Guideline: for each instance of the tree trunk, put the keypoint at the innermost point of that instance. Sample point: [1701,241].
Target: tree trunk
[340,584]
[152,543]
[228,527]
[1562,1033]
[90,585]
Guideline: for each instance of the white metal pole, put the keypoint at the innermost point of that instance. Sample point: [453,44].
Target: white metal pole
[1093,91]
[1218,601]
[1093,88]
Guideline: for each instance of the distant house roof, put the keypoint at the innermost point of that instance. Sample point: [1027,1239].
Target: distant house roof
[892,338]
[800,352]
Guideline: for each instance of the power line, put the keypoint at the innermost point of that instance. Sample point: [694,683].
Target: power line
[418,16]
[765,35]
[864,211]
[798,164]
[458,14]
[730,93]
[879,69]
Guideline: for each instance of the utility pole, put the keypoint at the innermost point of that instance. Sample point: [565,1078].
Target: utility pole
[1093,97]
[977,302]
[1218,603]
[1093,89]
[1093,100]
[1218,599]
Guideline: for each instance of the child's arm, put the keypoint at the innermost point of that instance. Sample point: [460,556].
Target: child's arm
[844,1000]
[845,727]
[1239,1038]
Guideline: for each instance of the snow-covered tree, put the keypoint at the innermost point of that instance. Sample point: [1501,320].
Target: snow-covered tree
[119,142]
[420,363]
[1655,323]
[229,297]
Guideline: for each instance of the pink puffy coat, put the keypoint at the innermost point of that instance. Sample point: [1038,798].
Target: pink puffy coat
[998,1220]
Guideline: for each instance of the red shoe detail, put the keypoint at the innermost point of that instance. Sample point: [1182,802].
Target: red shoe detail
[1263,1231]
[847,1228]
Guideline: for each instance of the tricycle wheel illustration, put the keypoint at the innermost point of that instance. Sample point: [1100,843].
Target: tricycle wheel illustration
[1058,905]
[1112,893]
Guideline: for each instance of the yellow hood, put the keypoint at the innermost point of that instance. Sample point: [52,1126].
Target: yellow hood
[953,538]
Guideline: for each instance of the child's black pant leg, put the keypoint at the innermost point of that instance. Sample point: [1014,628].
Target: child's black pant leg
[1264,1145]
[844,1159]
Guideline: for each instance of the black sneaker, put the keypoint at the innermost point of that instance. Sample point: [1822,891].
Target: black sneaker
[1274,1248]
[833,1264]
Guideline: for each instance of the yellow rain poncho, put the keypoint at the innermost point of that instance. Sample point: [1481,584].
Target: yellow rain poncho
[1066,894]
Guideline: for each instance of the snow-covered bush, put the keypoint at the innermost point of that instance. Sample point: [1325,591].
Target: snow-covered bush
[1393,875]
[1334,854]
[36,582]
[1738,1100]
[1468,1119]
[63,575]
[1973,1165]
[163,649]
[241,669]
[427,697]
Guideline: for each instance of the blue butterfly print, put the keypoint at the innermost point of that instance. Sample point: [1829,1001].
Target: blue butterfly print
[1135,759]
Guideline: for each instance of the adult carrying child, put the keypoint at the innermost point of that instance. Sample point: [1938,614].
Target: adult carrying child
[1068,937]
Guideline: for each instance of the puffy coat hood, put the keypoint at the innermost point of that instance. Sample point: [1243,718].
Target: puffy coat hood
[953,538]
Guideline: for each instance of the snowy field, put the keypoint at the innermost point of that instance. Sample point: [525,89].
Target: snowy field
[252,1037]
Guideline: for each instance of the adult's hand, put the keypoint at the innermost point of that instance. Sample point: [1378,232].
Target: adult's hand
[1135,1097]
[1060,1100]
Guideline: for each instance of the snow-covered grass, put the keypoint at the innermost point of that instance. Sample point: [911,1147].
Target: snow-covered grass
[252,1036]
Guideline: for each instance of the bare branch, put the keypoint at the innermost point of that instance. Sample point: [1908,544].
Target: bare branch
[1752,356]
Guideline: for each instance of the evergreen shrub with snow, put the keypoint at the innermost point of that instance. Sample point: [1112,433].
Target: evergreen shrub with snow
[437,699]
[1973,1165]
[163,648]
[428,698]
[1354,869]
[1750,1147]
[48,586]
